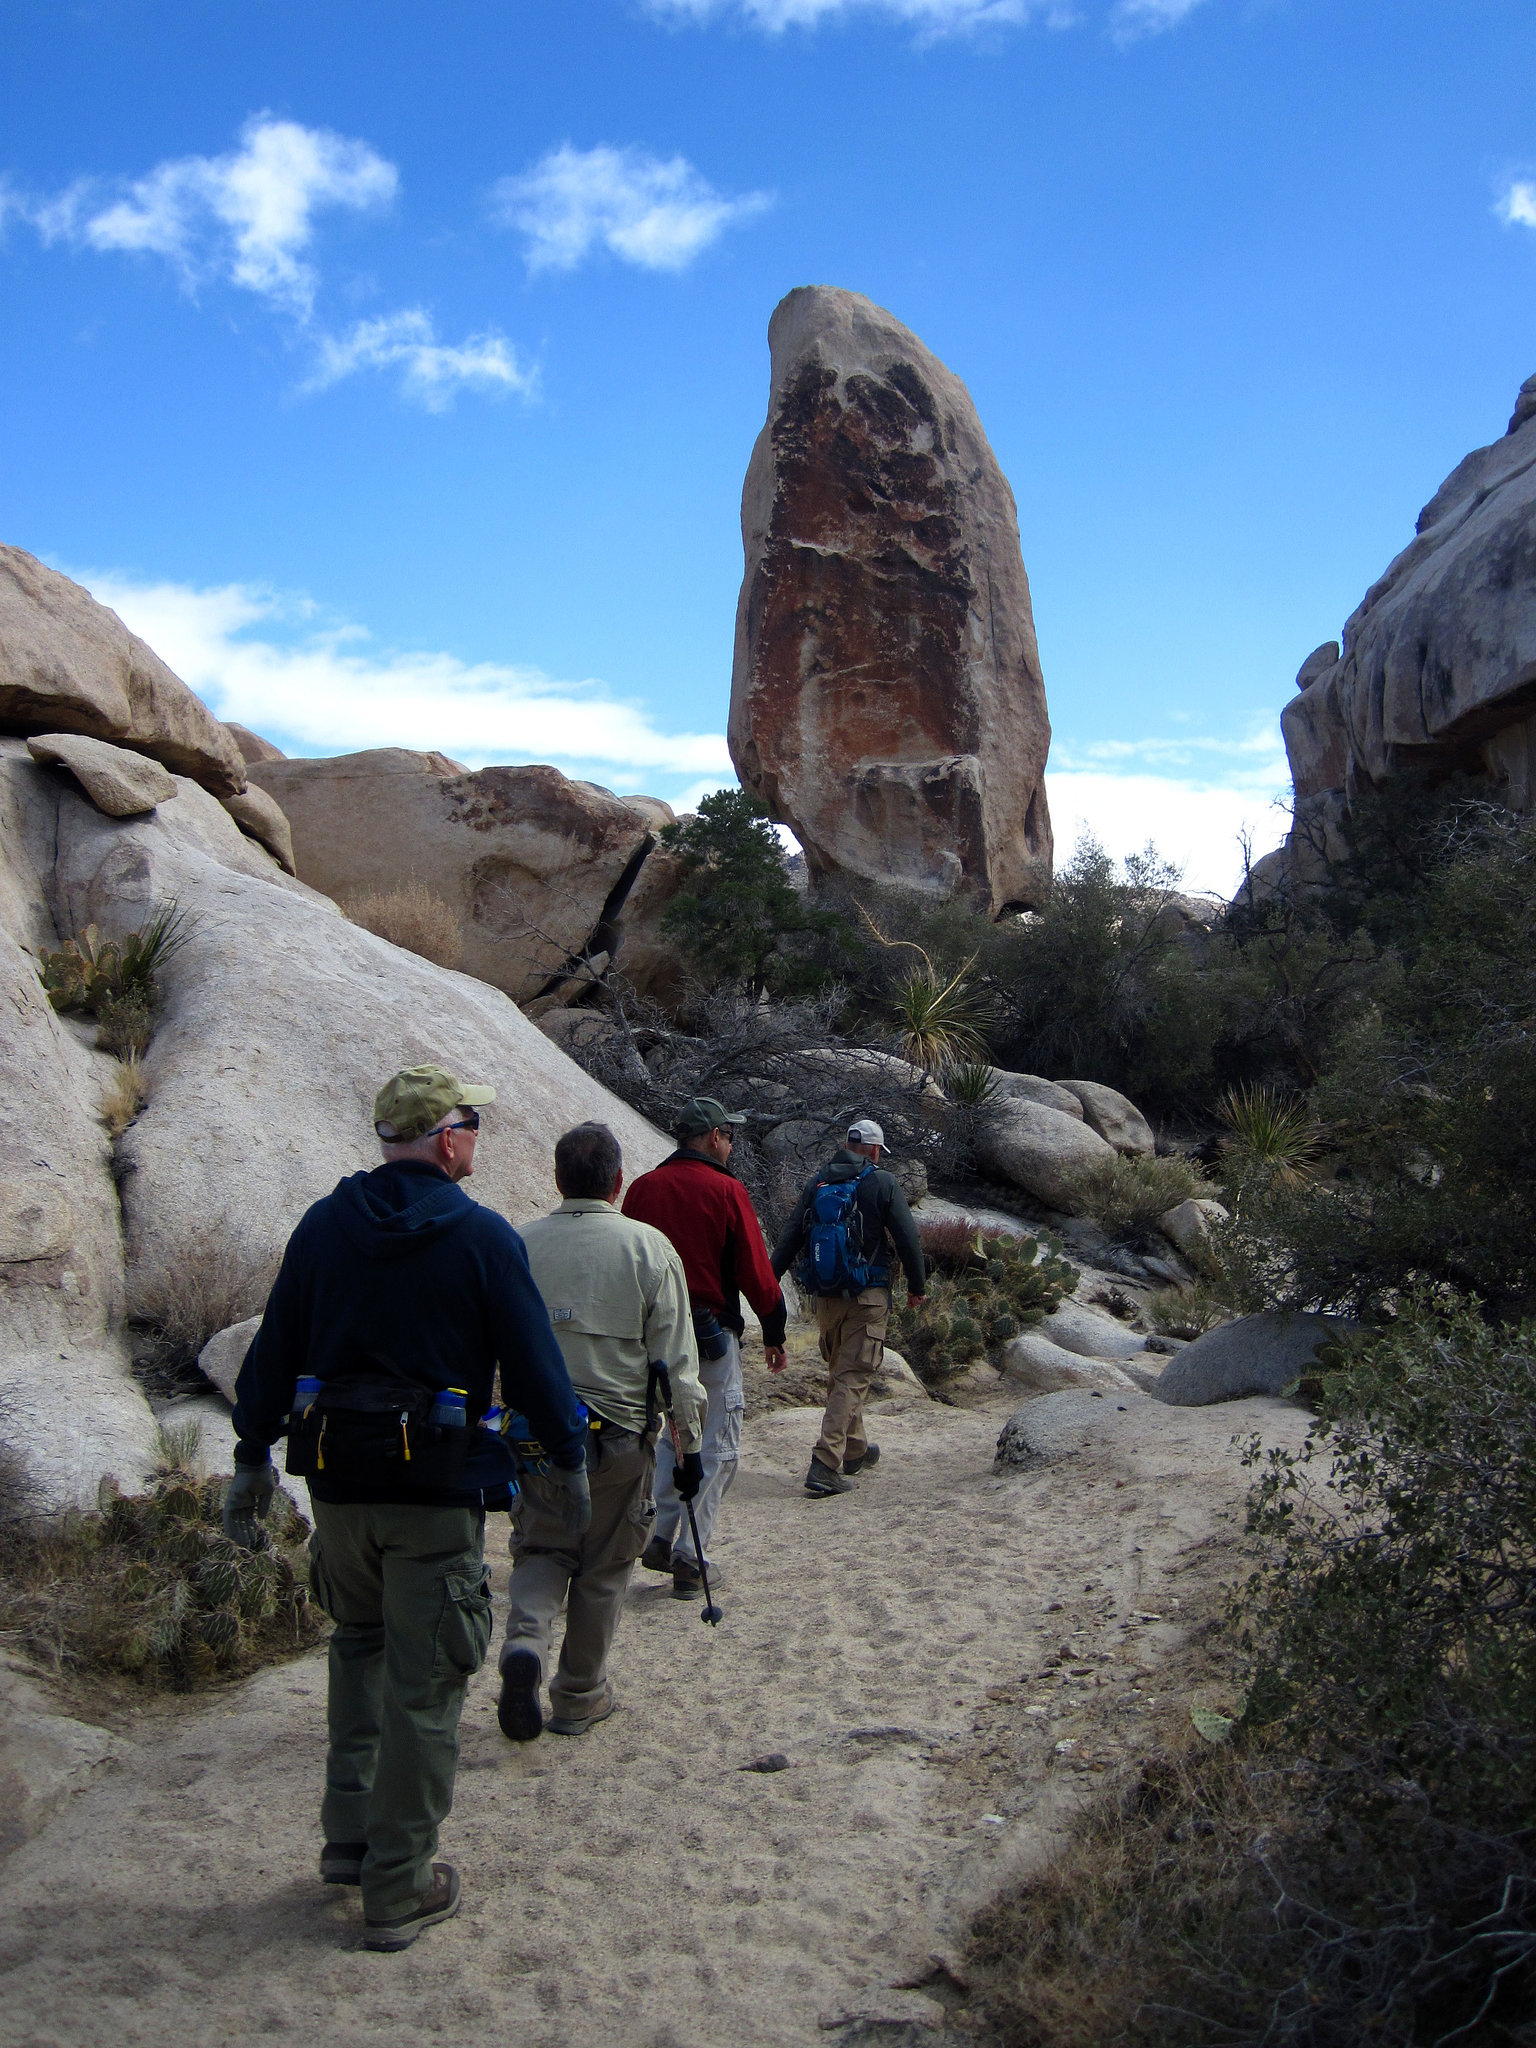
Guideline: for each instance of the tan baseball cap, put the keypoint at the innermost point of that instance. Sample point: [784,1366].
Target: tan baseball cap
[416,1098]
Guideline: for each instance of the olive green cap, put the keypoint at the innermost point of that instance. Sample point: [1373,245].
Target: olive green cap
[410,1103]
[703,1114]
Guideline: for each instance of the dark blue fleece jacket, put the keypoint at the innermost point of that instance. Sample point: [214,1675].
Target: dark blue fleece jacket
[400,1263]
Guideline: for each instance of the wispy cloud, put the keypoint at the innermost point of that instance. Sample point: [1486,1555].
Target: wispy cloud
[315,686]
[1517,203]
[248,217]
[938,17]
[658,213]
[1132,19]
[431,371]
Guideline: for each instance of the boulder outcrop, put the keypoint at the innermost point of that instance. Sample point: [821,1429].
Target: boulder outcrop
[1260,1354]
[1436,669]
[886,695]
[1116,1119]
[117,780]
[1039,1150]
[539,869]
[67,664]
[279,1020]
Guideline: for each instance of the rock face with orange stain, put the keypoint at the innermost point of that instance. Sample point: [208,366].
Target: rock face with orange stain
[886,697]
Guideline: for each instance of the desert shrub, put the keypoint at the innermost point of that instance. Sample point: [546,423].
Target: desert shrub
[412,918]
[1128,1196]
[737,916]
[1189,1311]
[1352,1860]
[1001,1285]
[124,1094]
[117,981]
[149,1587]
[218,1277]
[1269,1133]
[951,1244]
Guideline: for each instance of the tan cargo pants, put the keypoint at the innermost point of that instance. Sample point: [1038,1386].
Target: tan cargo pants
[588,1577]
[853,1344]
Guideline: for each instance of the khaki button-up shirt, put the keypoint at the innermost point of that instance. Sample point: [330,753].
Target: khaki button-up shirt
[618,1301]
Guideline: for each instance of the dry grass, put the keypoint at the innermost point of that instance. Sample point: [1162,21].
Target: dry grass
[951,1245]
[1128,1196]
[1188,1311]
[125,1094]
[412,917]
[218,1278]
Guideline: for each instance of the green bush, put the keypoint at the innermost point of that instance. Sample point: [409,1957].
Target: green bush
[1129,1196]
[117,981]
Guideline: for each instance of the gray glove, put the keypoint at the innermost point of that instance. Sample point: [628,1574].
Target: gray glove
[248,1495]
[570,1498]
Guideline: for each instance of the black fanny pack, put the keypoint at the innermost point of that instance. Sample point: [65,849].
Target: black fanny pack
[375,1424]
[709,1333]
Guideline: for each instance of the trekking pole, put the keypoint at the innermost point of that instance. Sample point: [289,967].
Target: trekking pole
[710,1611]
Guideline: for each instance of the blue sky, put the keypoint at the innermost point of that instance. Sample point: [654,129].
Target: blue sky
[394,369]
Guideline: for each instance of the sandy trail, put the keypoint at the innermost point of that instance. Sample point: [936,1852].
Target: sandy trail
[639,1885]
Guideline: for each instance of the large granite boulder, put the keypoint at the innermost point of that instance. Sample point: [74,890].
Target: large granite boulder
[1436,670]
[538,868]
[886,696]
[280,1020]
[1260,1354]
[1116,1119]
[117,780]
[67,664]
[1040,1150]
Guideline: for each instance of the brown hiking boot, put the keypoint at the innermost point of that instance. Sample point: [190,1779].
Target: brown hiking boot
[440,1903]
[656,1556]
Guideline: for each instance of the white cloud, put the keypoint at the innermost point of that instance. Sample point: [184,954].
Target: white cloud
[430,371]
[938,17]
[654,212]
[1133,19]
[1194,797]
[1517,205]
[247,217]
[312,687]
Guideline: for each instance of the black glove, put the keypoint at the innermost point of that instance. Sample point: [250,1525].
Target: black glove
[248,1495]
[689,1476]
[570,1498]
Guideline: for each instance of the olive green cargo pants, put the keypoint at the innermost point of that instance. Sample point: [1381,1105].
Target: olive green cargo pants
[852,1342]
[409,1592]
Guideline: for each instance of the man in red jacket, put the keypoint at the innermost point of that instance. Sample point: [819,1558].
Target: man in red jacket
[693,1199]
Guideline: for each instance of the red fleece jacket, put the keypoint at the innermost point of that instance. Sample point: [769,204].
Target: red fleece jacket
[712,1224]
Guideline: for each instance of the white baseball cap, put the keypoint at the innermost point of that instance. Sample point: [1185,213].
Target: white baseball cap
[865,1132]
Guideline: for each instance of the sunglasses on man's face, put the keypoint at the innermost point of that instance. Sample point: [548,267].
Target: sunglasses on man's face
[469,1123]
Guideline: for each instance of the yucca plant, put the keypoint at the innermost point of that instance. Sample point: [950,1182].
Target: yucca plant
[971,1084]
[1271,1133]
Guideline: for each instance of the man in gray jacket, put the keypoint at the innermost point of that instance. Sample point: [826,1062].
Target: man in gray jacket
[850,1218]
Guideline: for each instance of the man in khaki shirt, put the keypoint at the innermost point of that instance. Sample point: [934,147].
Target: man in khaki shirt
[617,1298]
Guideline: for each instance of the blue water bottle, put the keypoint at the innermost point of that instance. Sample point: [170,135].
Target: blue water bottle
[450,1409]
[306,1392]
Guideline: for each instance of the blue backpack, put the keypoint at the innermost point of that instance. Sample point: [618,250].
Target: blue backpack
[829,1266]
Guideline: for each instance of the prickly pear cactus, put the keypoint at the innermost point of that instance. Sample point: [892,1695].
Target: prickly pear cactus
[1008,1284]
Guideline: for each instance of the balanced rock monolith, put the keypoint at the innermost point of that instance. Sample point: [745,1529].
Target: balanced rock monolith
[886,697]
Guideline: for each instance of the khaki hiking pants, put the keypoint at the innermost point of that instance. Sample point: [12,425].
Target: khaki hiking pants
[853,1344]
[588,1578]
[410,1596]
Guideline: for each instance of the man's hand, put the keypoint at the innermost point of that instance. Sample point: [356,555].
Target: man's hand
[916,1300]
[689,1475]
[247,1496]
[571,1498]
[776,1356]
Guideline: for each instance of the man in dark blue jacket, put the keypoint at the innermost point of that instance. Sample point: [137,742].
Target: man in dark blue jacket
[396,1289]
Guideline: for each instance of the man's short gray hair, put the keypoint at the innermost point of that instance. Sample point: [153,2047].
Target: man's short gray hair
[588,1161]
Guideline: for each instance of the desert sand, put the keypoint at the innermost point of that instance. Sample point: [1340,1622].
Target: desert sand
[643,1885]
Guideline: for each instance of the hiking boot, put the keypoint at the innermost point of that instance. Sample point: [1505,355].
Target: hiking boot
[822,1480]
[687,1579]
[342,1862]
[578,1724]
[440,1903]
[518,1713]
[656,1556]
[871,1457]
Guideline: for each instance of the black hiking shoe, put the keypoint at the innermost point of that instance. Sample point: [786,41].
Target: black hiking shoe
[440,1903]
[871,1457]
[518,1713]
[821,1480]
[656,1556]
[342,1862]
